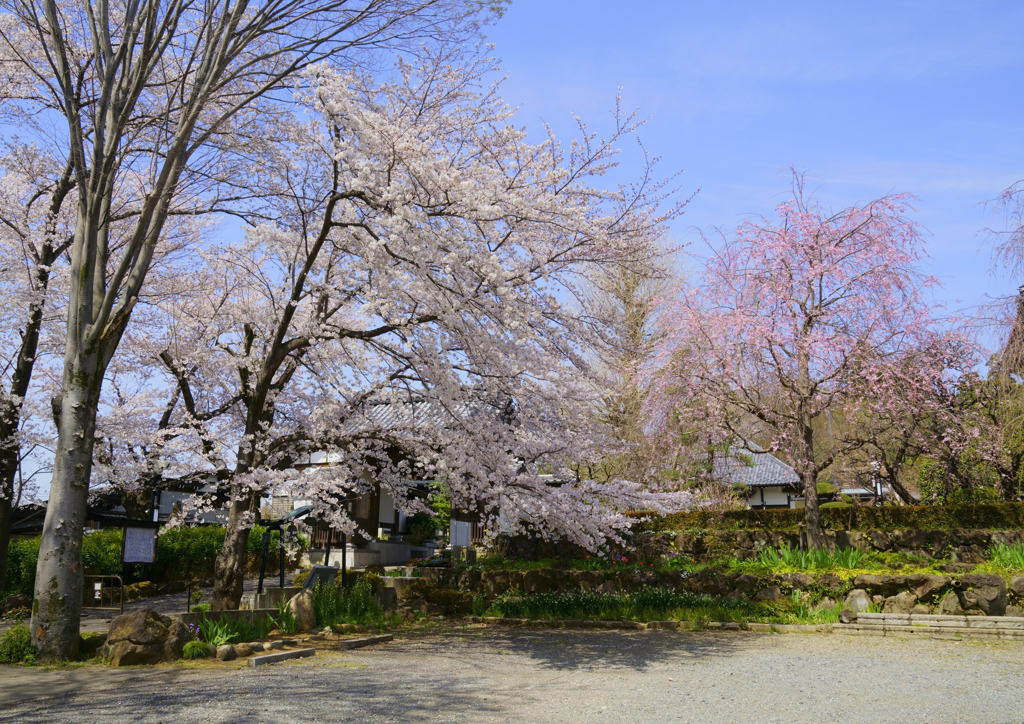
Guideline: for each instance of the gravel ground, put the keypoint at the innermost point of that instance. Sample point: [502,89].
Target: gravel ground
[479,674]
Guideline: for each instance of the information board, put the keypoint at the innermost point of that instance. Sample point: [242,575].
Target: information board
[139,545]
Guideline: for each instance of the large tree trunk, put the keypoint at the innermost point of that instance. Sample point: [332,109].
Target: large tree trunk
[229,568]
[58,591]
[812,512]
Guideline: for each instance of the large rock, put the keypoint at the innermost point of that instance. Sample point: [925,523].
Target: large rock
[983,593]
[144,627]
[924,585]
[227,652]
[538,582]
[608,588]
[1014,611]
[885,586]
[902,602]
[243,650]
[89,646]
[797,581]
[950,606]
[831,581]
[1017,586]
[745,583]
[858,601]
[771,593]
[18,600]
[145,637]
[469,580]
[587,580]
[968,554]
[495,583]
[301,607]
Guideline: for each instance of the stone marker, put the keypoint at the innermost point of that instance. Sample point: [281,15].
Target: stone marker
[280,656]
[301,607]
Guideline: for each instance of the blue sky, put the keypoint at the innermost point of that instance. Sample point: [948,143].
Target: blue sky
[867,98]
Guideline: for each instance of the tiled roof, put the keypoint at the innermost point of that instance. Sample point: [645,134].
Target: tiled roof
[417,413]
[765,471]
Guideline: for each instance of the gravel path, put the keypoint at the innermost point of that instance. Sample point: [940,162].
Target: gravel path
[478,674]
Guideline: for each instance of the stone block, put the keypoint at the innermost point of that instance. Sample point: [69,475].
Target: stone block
[938,621]
[1017,586]
[983,592]
[797,581]
[858,601]
[281,656]
[924,585]
[538,581]
[950,605]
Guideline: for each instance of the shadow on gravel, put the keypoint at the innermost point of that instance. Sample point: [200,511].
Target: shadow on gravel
[566,649]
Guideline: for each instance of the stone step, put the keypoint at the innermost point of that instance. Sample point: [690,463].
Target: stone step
[280,656]
[856,629]
[349,644]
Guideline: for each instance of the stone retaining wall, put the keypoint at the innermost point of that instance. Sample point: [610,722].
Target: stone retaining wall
[968,594]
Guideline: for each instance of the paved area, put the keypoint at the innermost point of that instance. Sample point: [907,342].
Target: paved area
[478,674]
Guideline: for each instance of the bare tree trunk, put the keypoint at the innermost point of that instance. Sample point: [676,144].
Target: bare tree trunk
[58,591]
[229,567]
[812,511]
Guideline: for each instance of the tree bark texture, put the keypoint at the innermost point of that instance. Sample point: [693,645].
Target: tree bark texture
[229,567]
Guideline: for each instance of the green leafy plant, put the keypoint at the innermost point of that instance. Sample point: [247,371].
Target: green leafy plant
[1005,556]
[218,633]
[198,650]
[285,618]
[357,603]
[16,646]
[479,605]
[20,613]
[201,607]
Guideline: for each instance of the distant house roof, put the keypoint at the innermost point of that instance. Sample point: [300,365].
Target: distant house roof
[758,469]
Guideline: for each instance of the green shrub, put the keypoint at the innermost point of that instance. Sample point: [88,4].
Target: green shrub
[997,516]
[301,576]
[198,650]
[826,489]
[201,607]
[182,554]
[357,603]
[16,646]
[835,504]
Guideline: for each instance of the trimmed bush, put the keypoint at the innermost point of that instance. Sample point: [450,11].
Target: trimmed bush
[16,646]
[182,554]
[1000,516]
[198,650]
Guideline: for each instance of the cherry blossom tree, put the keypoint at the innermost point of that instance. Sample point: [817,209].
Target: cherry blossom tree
[161,98]
[411,252]
[36,230]
[814,312]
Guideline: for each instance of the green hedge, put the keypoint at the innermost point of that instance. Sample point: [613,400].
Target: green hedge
[182,554]
[999,516]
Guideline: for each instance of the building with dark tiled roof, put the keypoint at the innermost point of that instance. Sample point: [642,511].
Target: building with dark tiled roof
[768,481]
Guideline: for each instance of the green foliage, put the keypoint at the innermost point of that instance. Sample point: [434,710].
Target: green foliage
[826,489]
[421,527]
[201,607]
[1011,557]
[479,605]
[999,516]
[979,483]
[835,504]
[645,604]
[233,630]
[285,618]
[818,559]
[301,577]
[21,565]
[219,632]
[16,646]
[198,650]
[441,504]
[804,613]
[182,554]
[334,603]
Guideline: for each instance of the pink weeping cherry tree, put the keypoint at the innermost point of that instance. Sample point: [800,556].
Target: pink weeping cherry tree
[816,311]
